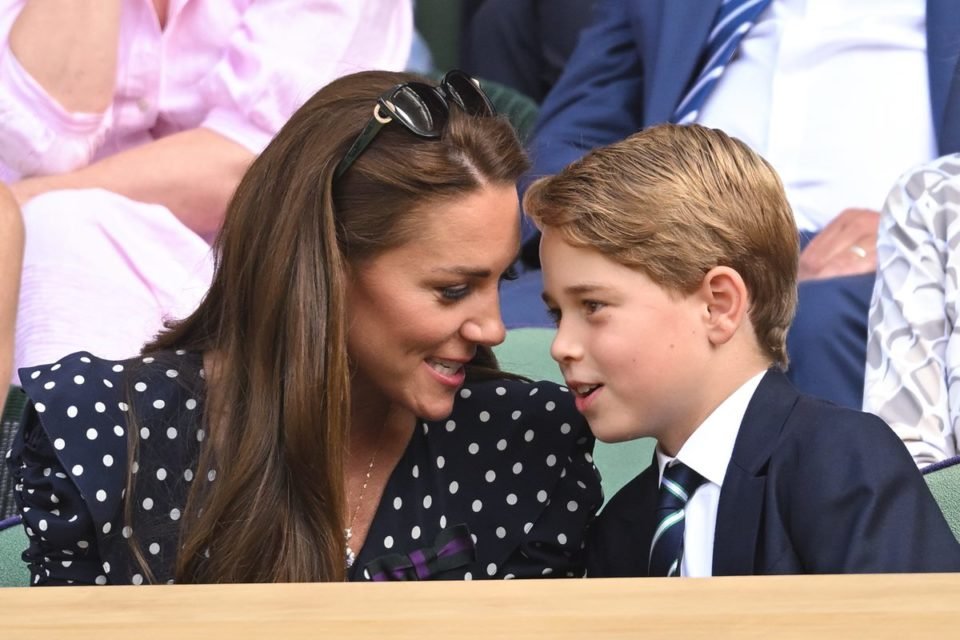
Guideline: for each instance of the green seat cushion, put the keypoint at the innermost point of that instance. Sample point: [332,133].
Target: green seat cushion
[944,484]
[13,570]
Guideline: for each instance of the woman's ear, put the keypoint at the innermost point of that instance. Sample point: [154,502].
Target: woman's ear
[727,303]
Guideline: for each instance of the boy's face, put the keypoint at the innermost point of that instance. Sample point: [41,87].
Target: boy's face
[630,351]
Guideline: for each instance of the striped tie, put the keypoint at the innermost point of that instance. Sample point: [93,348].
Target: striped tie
[666,549]
[734,19]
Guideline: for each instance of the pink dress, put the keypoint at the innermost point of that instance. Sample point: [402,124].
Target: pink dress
[101,271]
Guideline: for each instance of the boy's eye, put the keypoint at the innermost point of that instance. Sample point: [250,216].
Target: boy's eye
[554,314]
[592,306]
[454,293]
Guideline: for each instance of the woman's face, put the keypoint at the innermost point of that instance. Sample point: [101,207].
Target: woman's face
[417,312]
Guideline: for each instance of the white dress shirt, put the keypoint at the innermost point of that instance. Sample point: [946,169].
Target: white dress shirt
[835,95]
[708,452]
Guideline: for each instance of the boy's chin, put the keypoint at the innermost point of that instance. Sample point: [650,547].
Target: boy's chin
[612,434]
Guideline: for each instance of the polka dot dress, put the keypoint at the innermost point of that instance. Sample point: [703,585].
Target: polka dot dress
[503,488]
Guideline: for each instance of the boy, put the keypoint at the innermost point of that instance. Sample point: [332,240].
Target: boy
[670,266]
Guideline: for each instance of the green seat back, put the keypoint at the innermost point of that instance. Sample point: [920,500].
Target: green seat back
[944,484]
[13,571]
[527,352]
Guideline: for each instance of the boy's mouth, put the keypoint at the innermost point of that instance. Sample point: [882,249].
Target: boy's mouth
[584,390]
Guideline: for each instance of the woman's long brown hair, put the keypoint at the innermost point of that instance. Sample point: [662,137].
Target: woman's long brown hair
[277,407]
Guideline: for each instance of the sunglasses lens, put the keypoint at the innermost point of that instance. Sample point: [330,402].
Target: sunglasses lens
[421,109]
[467,94]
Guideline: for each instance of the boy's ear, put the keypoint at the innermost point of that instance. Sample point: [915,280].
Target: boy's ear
[728,302]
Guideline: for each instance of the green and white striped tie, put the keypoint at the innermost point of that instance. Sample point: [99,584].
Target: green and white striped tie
[666,549]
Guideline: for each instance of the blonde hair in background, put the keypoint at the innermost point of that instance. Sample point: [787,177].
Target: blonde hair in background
[676,201]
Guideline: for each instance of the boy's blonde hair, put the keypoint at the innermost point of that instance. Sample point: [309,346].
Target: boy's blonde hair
[676,201]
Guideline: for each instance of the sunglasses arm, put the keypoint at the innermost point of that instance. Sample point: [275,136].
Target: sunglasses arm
[374,125]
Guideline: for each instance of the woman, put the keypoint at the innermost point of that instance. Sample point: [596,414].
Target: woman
[11,255]
[125,127]
[913,352]
[330,410]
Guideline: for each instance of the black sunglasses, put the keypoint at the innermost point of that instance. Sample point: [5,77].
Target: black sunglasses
[421,108]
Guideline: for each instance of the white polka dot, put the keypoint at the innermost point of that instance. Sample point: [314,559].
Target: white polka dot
[188,475]
[118,368]
[451,425]
[427,501]
[572,506]
[565,428]
[85,359]
[106,528]
[517,468]
[550,406]
[388,542]
[161,474]
[191,404]
[426,428]
[55,367]
[562,538]
[454,487]
[77,470]
[415,533]
[473,448]
[509,576]
[49,385]
[159,404]
[516,414]
[40,407]
[533,391]
[528,436]
[501,532]
[172,373]
[465,393]
[78,379]
[71,411]
[134,467]
[212,475]
[101,580]
[59,444]
[174,514]
[200,435]
[148,503]
[416,471]
[527,527]
[148,360]
[99,407]
[122,406]
[468,576]
[477,506]
[484,416]
[117,429]
[126,532]
[106,567]
[107,384]
[144,433]
[490,476]
[443,522]
[541,496]
[91,434]
[42,525]
[397,503]
[171,433]
[511,499]
[501,391]
[101,496]
[587,456]
[35,375]
[154,548]
[137,579]
[546,571]
[180,352]
[551,460]
[491,569]
[440,462]
[140,386]
[502,445]
[83,544]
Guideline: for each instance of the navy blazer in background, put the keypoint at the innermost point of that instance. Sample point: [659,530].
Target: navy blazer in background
[634,63]
[810,488]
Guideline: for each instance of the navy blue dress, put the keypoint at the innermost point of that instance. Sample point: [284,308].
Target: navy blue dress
[504,487]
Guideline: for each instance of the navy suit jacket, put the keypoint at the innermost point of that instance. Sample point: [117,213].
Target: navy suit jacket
[634,63]
[811,488]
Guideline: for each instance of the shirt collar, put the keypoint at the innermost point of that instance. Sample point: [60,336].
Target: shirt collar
[709,449]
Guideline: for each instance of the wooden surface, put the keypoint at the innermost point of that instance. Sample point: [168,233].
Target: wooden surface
[904,606]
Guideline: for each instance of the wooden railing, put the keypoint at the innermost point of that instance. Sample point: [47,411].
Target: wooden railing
[878,606]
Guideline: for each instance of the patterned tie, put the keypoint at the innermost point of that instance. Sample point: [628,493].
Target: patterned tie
[734,19]
[666,549]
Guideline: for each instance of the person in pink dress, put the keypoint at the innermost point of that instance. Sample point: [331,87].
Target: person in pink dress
[125,126]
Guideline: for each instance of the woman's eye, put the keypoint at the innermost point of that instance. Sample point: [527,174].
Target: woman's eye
[510,274]
[454,293]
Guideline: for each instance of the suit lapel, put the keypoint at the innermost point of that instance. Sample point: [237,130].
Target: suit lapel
[740,511]
[638,521]
[943,50]
[684,27]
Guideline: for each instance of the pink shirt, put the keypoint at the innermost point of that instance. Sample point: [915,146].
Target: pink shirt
[237,67]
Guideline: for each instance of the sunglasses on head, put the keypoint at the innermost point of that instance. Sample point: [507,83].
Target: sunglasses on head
[422,108]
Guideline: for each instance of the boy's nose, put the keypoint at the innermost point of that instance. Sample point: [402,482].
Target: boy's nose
[564,347]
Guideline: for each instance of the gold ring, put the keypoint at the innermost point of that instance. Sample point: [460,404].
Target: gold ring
[860,251]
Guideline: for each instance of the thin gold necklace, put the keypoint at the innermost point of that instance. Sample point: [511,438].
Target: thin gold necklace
[351,557]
